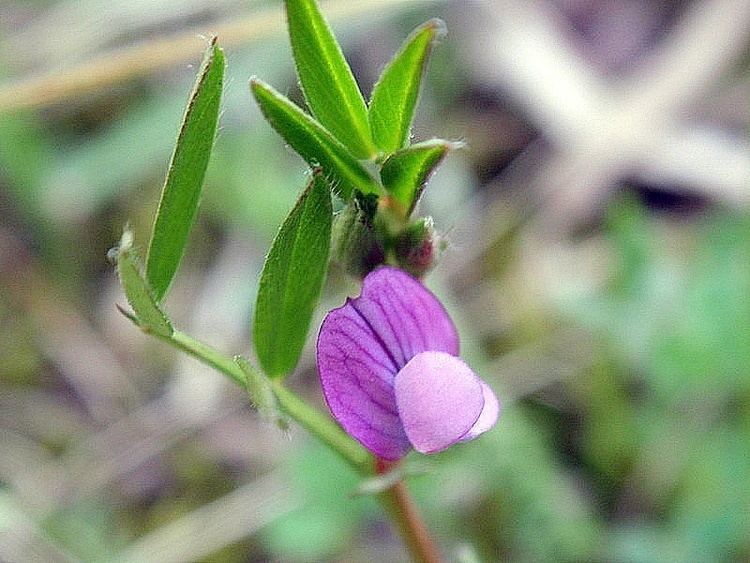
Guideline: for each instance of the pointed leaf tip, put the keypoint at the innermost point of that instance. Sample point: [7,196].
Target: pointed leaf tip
[187,169]
[394,97]
[405,172]
[327,81]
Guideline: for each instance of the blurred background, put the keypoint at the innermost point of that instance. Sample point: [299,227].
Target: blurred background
[598,269]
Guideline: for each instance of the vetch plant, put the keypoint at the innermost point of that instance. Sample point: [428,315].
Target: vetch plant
[388,359]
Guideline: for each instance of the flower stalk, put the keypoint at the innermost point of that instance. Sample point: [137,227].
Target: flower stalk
[406,518]
[395,500]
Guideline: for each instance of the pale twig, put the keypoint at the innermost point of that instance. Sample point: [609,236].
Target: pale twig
[71,30]
[21,539]
[205,530]
[604,130]
[100,458]
[150,56]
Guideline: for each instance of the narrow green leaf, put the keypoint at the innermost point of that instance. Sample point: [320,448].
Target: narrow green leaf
[314,143]
[405,172]
[394,96]
[182,188]
[148,315]
[292,279]
[327,81]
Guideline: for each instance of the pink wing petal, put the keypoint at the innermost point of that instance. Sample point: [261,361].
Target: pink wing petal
[439,400]
[488,417]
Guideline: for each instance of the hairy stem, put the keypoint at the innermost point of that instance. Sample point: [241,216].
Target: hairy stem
[309,418]
[207,355]
[323,427]
[404,515]
[395,500]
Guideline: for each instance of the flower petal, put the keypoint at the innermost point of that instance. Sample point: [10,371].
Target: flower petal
[364,344]
[405,315]
[488,416]
[439,400]
[356,374]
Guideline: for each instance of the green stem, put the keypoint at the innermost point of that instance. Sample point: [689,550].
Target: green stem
[207,355]
[324,428]
[312,420]
[395,499]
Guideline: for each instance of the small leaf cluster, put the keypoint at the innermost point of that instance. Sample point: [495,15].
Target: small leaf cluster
[362,148]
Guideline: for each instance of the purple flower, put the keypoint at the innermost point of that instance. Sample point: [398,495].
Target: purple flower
[390,373]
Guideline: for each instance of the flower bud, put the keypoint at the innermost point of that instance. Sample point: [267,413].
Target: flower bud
[355,244]
[417,246]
